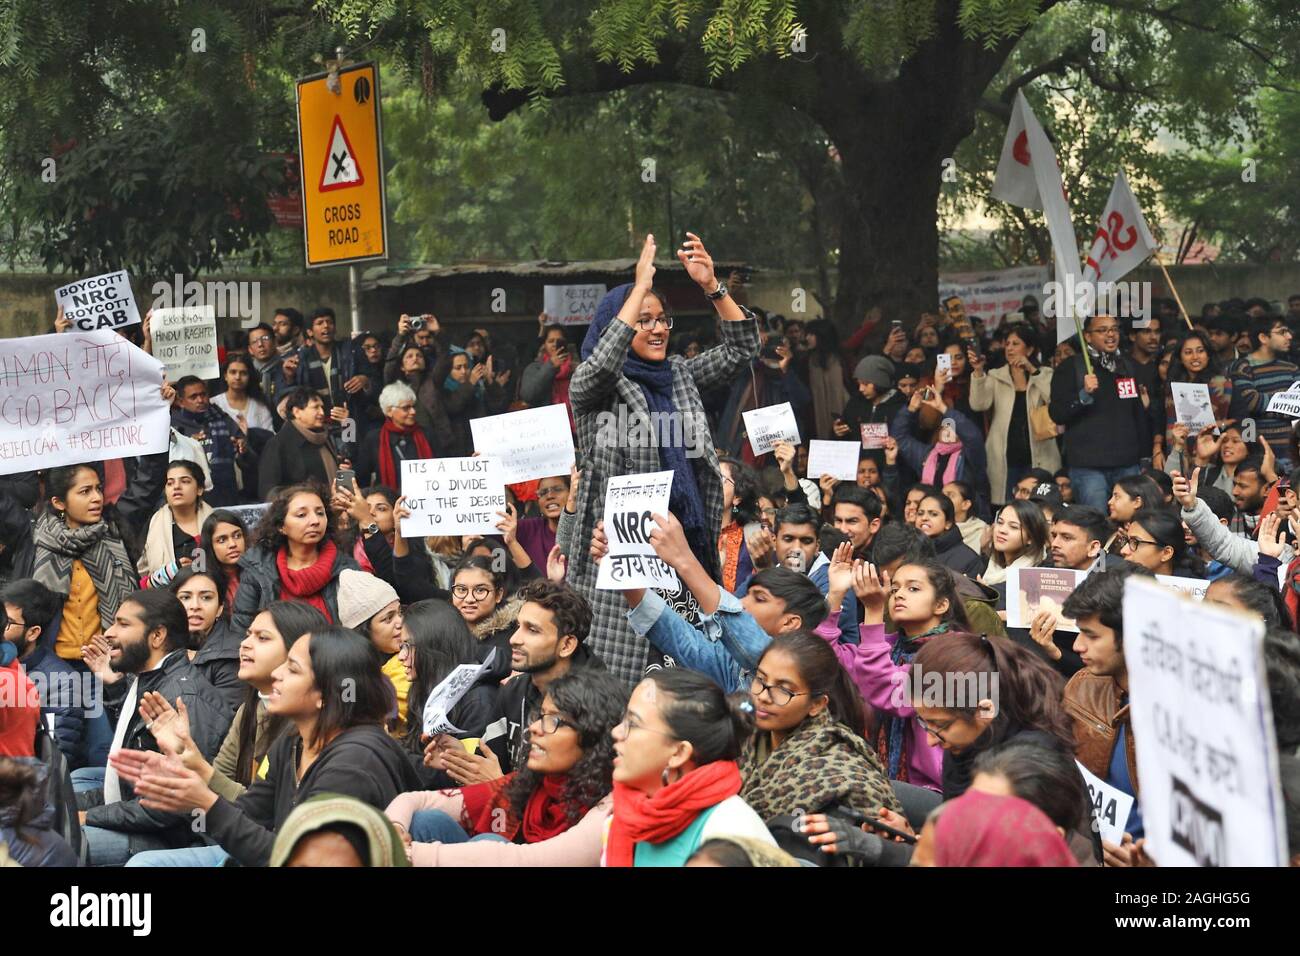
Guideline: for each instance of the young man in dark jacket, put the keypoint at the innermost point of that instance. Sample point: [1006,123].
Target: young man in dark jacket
[336,372]
[147,652]
[1107,427]
[66,693]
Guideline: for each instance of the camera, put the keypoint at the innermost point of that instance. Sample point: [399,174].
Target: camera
[416,323]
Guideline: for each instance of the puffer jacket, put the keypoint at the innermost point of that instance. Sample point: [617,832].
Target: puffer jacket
[218,661]
[259,584]
[35,843]
[1094,703]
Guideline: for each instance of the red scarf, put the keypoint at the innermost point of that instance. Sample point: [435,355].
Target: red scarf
[546,814]
[387,467]
[642,819]
[306,584]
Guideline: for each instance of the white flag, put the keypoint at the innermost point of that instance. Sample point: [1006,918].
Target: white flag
[1122,241]
[1028,176]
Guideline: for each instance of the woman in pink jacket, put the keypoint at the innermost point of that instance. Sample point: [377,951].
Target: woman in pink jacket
[551,813]
[924,606]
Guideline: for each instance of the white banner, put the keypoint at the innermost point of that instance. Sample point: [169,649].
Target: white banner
[1110,806]
[533,443]
[571,304]
[1029,176]
[1192,406]
[453,496]
[448,694]
[100,302]
[79,396]
[1286,403]
[839,459]
[1122,241]
[185,341]
[631,562]
[768,425]
[990,295]
[1202,723]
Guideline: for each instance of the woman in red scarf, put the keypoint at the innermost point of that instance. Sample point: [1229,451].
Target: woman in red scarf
[551,813]
[293,558]
[676,782]
[381,453]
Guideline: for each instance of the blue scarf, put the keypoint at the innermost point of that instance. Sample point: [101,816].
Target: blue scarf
[904,650]
[656,382]
[449,383]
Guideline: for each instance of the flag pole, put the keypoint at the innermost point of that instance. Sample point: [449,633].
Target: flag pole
[1174,290]
[1087,362]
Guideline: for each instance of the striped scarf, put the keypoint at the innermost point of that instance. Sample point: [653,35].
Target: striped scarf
[96,547]
[891,742]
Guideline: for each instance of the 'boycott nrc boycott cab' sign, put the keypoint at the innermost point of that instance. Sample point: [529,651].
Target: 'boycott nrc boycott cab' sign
[340,148]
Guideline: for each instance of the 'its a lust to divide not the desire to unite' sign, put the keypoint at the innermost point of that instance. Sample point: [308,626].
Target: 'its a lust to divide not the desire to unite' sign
[452,496]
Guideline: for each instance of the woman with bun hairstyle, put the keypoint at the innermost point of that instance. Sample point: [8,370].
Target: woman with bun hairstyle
[676,781]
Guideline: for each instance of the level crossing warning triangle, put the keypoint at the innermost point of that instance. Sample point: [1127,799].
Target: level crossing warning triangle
[341,169]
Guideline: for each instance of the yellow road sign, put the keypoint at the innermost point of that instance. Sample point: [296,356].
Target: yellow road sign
[341,157]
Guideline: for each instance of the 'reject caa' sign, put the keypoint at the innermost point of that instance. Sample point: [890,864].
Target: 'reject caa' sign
[340,149]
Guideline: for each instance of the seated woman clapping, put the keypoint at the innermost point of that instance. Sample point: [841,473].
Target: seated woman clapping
[551,813]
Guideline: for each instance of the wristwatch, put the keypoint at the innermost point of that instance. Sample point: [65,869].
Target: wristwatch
[372,528]
[719,292]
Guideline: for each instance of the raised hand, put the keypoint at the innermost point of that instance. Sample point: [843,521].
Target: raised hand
[1041,629]
[891,451]
[698,262]
[871,587]
[645,264]
[556,565]
[783,452]
[840,572]
[1184,490]
[599,543]
[669,540]
[1268,535]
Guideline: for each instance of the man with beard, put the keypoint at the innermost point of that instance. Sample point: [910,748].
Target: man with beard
[1249,488]
[142,652]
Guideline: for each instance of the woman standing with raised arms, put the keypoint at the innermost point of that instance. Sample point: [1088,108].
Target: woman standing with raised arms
[627,366]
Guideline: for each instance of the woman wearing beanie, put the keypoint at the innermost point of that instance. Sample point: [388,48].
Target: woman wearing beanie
[627,377]
[293,558]
[372,608]
[676,782]
[876,403]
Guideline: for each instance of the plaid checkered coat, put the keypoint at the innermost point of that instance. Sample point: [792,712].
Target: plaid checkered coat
[598,385]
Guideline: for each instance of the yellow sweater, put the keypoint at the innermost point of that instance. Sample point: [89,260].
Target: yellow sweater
[80,621]
[396,672]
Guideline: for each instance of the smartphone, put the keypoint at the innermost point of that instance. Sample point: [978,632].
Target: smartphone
[344,478]
[875,824]
[898,323]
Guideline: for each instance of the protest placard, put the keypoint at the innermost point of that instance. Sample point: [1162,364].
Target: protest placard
[1202,723]
[1194,588]
[631,562]
[874,434]
[1031,590]
[990,295]
[571,304]
[452,496]
[839,459]
[768,425]
[80,396]
[533,443]
[250,515]
[1110,806]
[185,341]
[100,302]
[448,693]
[1192,406]
[1286,403]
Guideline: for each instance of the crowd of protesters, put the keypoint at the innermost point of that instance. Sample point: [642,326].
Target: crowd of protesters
[185,688]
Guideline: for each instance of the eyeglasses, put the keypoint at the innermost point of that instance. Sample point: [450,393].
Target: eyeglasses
[550,723]
[405,407]
[929,728]
[1128,541]
[629,724]
[1105,329]
[403,648]
[648,325]
[552,490]
[259,340]
[480,591]
[11,622]
[778,695]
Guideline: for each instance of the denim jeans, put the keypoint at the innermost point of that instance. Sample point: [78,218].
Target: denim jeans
[434,826]
[106,847]
[87,778]
[1092,486]
[189,856]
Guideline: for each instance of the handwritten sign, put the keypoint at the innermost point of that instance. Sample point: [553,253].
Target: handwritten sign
[571,304]
[839,459]
[448,694]
[1286,403]
[533,443]
[1192,406]
[452,496]
[100,302]
[1110,806]
[1194,588]
[1033,590]
[1203,725]
[79,396]
[250,515]
[768,425]
[631,562]
[185,341]
[874,435]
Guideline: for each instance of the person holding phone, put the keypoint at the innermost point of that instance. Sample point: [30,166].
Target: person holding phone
[546,380]
[303,449]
